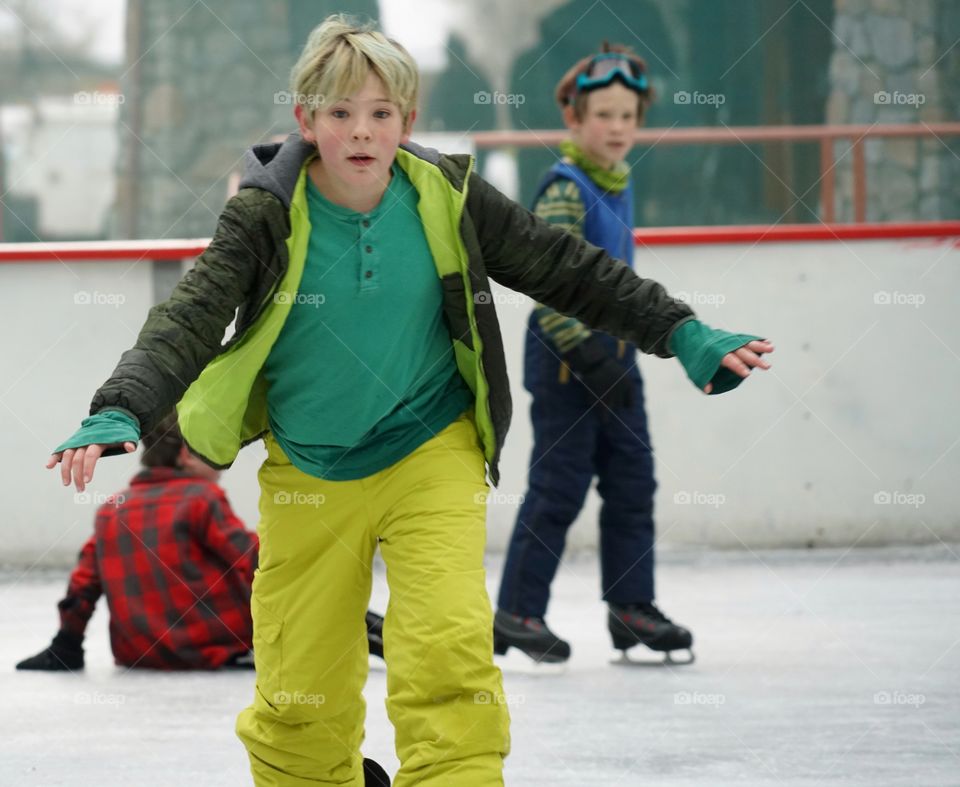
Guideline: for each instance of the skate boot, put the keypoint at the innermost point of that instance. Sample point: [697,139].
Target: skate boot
[374,775]
[375,633]
[530,635]
[644,624]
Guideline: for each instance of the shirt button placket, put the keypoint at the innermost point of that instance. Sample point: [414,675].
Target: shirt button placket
[368,258]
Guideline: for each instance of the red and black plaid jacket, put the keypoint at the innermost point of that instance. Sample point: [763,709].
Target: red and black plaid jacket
[176,566]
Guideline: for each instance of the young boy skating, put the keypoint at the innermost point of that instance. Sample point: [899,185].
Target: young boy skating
[588,411]
[377,381]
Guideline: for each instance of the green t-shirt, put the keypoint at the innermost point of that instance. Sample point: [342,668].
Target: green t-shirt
[363,371]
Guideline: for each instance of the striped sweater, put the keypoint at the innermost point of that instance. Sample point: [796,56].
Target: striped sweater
[561,205]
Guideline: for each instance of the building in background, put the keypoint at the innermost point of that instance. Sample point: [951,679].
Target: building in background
[58,128]
[202,82]
[61,165]
[898,61]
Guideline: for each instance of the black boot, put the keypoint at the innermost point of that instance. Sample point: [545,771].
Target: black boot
[373,774]
[240,661]
[644,624]
[530,635]
[65,654]
[375,633]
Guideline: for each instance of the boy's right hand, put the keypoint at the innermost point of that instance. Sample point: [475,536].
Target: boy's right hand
[80,462]
[107,432]
[717,361]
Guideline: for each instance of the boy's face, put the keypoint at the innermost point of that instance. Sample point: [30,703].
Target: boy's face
[605,133]
[357,137]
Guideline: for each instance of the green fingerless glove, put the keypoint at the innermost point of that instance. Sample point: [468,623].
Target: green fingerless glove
[105,428]
[700,348]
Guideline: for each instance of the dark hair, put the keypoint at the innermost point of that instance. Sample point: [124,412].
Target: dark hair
[161,446]
[566,95]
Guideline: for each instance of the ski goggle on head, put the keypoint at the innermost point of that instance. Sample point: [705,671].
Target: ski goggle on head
[610,66]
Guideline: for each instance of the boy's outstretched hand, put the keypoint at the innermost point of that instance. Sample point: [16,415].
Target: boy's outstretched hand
[80,462]
[741,360]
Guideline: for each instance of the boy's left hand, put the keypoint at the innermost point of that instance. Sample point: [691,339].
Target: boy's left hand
[741,360]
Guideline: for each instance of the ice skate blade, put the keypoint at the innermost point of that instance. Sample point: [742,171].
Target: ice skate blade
[668,660]
[516,662]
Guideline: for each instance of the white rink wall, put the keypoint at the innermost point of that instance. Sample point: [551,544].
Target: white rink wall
[858,408]
[851,439]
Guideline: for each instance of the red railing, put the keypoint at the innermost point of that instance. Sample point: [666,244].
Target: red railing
[173,250]
[826,136]
[782,233]
[102,250]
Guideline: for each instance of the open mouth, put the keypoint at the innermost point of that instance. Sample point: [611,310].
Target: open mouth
[362,158]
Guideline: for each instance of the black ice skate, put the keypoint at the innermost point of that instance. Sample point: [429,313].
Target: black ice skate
[644,624]
[375,633]
[374,775]
[530,635]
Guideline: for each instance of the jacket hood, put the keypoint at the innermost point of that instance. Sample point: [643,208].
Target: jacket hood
[275,166]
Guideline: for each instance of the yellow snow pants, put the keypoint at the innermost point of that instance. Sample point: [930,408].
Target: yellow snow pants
[310,593]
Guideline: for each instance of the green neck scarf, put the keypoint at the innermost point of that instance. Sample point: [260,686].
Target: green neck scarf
[613,180]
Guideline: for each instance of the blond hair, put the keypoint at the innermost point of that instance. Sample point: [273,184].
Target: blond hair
[338,57]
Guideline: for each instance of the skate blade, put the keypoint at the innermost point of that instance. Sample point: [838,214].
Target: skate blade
[516,662]
[668,660]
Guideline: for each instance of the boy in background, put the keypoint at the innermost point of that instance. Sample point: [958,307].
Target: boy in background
[175,564]
[588,413]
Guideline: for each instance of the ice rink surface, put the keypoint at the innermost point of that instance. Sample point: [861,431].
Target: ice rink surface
[819,667]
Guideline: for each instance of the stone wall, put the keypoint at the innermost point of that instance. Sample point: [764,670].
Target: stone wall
[897,61]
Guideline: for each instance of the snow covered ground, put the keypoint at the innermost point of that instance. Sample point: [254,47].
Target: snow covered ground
[826,667]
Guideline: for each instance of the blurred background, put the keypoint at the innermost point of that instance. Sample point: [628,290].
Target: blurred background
[144,109]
